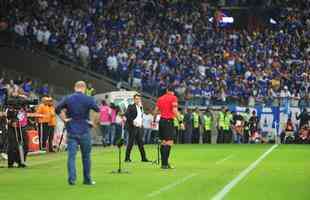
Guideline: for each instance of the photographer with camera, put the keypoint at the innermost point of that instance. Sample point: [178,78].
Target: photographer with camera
[17,136]
[3,137]
[17,121]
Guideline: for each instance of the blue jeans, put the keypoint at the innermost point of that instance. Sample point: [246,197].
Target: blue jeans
[106,131]
[112,134]
[85,144]
[238,138]
[147,136]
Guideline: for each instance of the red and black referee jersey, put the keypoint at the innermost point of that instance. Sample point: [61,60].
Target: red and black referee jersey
[165,104]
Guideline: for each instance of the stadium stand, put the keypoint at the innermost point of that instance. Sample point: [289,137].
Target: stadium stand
[152,45]
[148,45]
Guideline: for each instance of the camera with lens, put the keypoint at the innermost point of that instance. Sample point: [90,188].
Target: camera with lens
[15,104]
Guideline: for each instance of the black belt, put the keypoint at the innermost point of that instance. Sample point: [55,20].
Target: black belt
[163,119]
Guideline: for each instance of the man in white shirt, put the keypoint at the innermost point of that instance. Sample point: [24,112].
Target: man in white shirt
[112,62]
[147,122]
[19,29]
[285,95]
[40,36]
[46,36]
[83,54]
[134,125]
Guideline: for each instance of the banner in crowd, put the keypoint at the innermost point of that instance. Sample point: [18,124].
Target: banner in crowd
[272,117]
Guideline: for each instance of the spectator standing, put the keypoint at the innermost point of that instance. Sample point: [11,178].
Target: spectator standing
[83,54]
[105,122]
[147,126]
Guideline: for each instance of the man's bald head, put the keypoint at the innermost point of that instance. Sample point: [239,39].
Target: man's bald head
[80,86]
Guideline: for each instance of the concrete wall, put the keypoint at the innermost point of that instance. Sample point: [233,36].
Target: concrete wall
[52,70]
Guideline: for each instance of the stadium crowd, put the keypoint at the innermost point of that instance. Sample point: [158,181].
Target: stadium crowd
[151,44]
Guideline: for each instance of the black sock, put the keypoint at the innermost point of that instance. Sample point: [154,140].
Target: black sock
[162,154]
[168,153]
[165,155]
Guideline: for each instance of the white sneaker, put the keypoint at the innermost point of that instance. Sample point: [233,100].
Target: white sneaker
[4,156]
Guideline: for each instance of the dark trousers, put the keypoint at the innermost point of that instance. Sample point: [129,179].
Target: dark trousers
[3,140]
[195,136]
[177,132]
[43,135]
[206,137]
[180,136]
[227,136]
[187,137]
[50,138]
[246,136]
[135,134]
[13,151]
[224,136]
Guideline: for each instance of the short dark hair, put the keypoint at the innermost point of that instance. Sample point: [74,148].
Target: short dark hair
[136,95]
[170,88]
[103,102]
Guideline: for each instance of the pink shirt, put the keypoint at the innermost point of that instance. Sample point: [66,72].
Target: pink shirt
[113,115]
[23,120]
[105,115]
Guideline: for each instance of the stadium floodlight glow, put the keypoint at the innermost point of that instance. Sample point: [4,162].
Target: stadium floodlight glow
[228,20]
[272,21]
[224,20]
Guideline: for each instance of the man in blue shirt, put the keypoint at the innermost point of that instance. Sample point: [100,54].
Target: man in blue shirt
[74,110]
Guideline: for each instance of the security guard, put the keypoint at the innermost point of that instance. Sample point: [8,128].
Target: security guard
[246,116]
[176,126]
[196,126]
[224,120]
[227,128]
[90,91]
[188,126]
[207,121]
[179,126]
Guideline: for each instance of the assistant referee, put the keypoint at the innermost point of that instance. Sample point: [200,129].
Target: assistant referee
[167,106]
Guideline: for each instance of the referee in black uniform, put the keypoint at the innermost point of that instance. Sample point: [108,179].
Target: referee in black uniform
[167,105]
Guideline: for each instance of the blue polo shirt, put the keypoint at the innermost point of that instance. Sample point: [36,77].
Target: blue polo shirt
[27,87]
[78,106]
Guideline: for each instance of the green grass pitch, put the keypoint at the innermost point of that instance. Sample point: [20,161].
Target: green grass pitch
[201,172]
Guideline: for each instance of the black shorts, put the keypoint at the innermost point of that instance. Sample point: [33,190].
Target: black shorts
[166,129]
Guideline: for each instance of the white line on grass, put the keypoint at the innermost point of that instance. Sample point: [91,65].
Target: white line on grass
[224,159]
[172,185]
[221,194]
[61,159]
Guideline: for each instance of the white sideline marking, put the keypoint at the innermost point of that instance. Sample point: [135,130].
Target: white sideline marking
[224,159]
[46,162]
[172,185]
[221,194]
[61,159]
